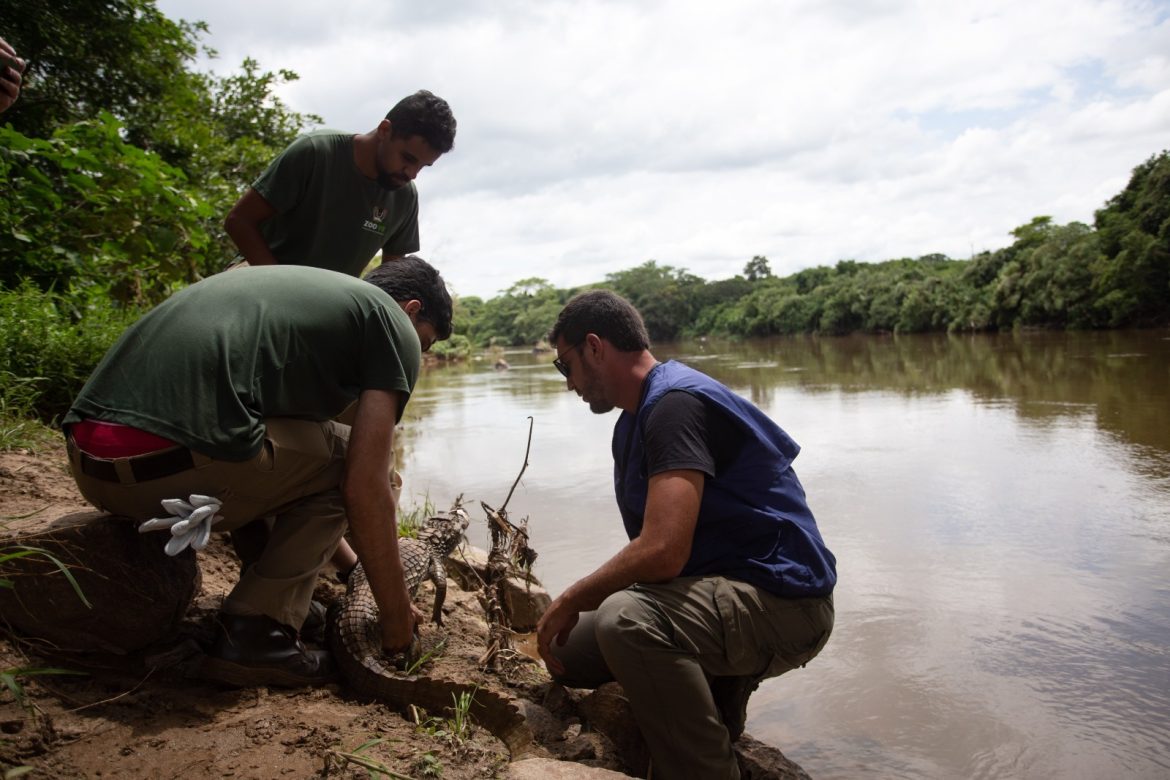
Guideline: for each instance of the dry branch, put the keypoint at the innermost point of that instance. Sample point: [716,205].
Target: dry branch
[509,553]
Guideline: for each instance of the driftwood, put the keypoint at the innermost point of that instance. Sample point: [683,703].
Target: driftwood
[509,553]
[89,582]
[525,598]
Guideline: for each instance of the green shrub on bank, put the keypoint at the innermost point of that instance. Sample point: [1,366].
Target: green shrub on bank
[49,345]
[458,347]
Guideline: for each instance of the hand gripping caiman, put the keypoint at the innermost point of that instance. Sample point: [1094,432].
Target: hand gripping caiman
[356,640]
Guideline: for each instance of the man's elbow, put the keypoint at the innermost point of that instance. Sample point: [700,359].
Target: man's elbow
[232,224]
[666,563]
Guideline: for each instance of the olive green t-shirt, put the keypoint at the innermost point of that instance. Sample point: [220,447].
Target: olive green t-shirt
[329,215]
[205,367]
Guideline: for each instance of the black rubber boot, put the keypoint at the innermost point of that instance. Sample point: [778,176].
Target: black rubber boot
[252,650]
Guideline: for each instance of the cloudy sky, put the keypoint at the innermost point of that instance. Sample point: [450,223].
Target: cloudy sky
[596,135]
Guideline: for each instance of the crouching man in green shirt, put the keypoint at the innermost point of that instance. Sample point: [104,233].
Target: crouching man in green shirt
[227,393]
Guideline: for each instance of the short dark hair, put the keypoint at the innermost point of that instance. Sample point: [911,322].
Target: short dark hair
[412,278]
[605,313]
[427,115]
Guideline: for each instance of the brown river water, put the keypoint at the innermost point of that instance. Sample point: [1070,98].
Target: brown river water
[999,506]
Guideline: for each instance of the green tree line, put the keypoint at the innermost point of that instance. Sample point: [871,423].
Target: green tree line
[120,160]
[1113,274]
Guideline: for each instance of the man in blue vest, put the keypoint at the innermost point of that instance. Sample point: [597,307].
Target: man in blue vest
[725,580]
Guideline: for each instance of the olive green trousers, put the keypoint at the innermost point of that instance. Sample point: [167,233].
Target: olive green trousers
[663,643]
[295,478]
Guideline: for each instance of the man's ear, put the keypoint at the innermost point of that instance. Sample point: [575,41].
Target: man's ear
[386,127]
[594,345]
[411,307]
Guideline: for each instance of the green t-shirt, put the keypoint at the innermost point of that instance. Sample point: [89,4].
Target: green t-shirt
[205,367]
[328,214]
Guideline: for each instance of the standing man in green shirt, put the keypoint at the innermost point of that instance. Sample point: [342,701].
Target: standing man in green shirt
[228,390]
[334,200]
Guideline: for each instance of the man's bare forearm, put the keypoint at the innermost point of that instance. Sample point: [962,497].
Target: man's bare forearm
[250,241]
[243,225]
[634,563]
[373,523]
[659,553]
[373,518]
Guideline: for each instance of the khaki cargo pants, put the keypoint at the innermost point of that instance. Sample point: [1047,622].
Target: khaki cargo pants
[295,478]
[664,642]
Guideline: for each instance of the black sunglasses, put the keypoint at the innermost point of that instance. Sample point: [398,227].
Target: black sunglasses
[561,365]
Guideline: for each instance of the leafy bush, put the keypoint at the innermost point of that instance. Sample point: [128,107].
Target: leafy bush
[84,209]
[522,315]
[458,347]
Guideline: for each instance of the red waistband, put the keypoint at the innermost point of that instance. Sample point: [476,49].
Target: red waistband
[111,440]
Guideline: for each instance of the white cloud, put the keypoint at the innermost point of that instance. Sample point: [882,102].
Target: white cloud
[596,135]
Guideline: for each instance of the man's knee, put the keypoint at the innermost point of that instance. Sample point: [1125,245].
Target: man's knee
[627,620]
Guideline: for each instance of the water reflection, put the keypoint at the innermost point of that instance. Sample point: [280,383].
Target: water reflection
[999,507]
[1121,376]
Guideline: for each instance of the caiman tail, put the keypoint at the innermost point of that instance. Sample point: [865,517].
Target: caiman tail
[356,642]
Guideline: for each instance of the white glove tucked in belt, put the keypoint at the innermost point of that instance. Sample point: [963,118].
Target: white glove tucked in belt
[190,522]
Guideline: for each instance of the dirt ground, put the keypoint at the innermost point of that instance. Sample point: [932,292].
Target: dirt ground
[157,719]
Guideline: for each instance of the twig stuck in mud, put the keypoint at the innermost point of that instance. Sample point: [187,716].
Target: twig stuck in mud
[527,450]
[123,694]
[358,757]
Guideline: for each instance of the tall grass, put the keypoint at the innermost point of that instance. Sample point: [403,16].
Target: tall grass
[411,519]
[19,428]
[49,345]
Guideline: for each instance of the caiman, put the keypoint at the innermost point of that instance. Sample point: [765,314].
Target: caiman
[356,640]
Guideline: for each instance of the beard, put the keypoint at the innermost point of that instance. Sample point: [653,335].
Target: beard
[389,181]
[600,407]
[592,393]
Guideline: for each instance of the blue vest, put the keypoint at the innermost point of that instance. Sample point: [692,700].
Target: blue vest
[754,524]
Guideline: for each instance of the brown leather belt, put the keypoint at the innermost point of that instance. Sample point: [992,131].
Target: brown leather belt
[152,465]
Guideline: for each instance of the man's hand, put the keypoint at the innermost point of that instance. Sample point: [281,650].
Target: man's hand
[558,621]
[11,69]
[397,635]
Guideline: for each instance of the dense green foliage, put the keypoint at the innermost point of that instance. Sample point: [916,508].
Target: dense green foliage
[1131,280]
[522,315]
[87,209]
[120,161]
[118,165]
[85,57]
